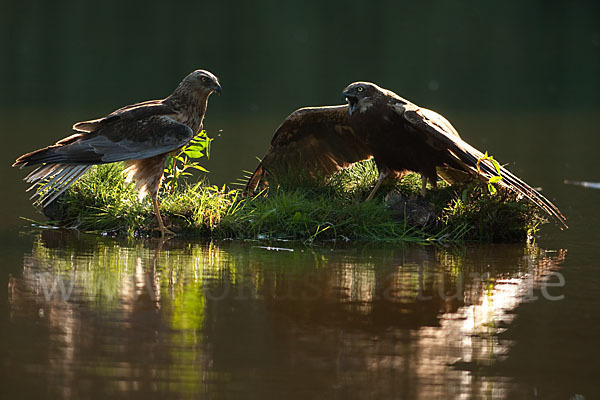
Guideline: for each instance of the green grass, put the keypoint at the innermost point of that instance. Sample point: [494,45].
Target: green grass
[102,202]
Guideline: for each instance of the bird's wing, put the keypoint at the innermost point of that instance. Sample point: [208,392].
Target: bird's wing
[314,141]
[119,140]
[440,134]
[134,111]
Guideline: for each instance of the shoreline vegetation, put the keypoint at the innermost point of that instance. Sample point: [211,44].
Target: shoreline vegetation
[101,202]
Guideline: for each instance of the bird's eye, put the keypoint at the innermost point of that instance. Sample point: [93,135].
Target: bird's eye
[360,89]
[204,79]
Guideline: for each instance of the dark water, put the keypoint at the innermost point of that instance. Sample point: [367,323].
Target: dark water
[96,318]
[91,317]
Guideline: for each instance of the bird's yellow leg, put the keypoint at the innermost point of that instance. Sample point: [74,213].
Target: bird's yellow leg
[382,176]
[161,227]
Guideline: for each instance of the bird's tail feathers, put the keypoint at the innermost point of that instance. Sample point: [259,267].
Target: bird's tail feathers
[473,157]
[51,180]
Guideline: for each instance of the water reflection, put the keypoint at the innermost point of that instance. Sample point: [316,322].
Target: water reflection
[97,318]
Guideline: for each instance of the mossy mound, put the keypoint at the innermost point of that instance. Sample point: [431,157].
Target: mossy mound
[102,202]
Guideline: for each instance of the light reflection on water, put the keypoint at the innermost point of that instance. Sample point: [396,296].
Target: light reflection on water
[97,318]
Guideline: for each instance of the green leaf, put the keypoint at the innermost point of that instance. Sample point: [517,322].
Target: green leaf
[194,154]
[199,167]
[497,166]
[495,179]
[176,165]
[196,147]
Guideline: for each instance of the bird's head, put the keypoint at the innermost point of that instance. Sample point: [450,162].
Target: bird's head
[360,96]
[203,81]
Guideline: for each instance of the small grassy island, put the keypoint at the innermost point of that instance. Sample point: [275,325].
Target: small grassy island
[102,202]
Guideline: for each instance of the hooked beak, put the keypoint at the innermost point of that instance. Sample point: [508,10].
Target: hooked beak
[351,100]
[218,88]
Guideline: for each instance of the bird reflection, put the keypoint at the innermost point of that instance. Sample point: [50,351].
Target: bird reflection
[195,314]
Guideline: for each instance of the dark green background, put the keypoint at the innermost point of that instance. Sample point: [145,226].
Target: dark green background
[275,56]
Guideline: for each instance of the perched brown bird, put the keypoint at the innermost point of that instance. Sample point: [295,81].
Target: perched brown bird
[141,134]
[400,136]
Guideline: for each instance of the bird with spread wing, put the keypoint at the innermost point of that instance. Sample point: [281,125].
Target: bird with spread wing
[400,136]
[142,135]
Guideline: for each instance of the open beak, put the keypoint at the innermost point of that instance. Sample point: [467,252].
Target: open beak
[352,101]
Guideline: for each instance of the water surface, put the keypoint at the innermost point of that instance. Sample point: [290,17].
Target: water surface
[91,318]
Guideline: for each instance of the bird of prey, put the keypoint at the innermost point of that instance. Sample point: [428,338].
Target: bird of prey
[141,134]
[400,136]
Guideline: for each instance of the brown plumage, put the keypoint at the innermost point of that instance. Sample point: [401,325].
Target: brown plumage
[141,134]
[315,140]
[400,136]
